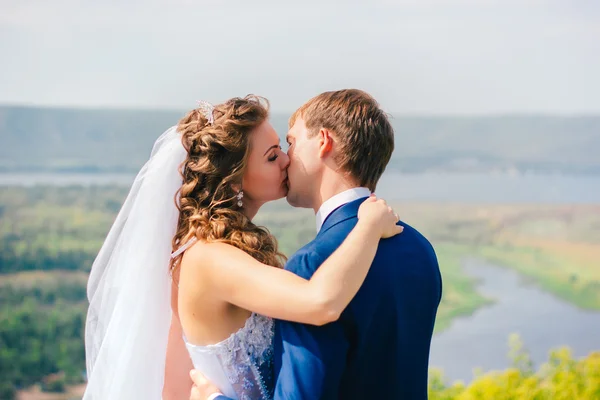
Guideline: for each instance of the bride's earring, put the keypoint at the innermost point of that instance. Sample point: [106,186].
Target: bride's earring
[240,196]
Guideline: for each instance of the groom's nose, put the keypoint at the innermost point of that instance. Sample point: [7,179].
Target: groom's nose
[285,160]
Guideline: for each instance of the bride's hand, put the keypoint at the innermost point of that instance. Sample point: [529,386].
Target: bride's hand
[376,214]
[203,388]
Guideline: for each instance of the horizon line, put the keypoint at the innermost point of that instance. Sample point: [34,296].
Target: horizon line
[393,114]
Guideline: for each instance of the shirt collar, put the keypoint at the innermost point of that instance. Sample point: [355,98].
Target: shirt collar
[339,200]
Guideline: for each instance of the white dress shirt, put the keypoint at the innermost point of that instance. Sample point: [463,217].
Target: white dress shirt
[339,200]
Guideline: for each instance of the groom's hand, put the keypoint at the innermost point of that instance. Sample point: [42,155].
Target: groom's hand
[203,389]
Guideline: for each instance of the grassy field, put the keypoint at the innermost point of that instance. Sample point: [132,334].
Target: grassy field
[558,247]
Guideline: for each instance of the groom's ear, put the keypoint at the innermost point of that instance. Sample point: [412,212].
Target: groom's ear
[325,142]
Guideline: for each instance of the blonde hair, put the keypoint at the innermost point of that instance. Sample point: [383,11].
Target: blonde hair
[360,126]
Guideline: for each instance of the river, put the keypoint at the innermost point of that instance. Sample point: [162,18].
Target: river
[543,321]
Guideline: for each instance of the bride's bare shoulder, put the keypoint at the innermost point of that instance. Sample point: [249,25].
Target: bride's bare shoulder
[203,255]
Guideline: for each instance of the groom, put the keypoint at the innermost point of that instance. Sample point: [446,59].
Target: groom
[339,145]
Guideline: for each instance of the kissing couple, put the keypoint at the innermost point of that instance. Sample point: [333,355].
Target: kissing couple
[185,280]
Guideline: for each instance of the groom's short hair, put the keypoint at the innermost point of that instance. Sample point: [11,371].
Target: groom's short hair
[363,130]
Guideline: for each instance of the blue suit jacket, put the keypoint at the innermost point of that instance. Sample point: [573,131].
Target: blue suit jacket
[379,348]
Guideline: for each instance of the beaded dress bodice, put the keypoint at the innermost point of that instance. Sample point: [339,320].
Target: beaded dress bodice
[241,365]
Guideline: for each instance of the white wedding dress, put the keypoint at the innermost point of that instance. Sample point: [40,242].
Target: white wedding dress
[241,365]
[129,290]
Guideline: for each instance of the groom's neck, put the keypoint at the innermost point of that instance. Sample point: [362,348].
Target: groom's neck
[332,184]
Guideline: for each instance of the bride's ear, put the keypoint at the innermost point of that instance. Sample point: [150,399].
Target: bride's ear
[236,187]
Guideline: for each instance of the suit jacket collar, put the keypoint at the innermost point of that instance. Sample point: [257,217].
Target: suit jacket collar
[337,201]
[340,214]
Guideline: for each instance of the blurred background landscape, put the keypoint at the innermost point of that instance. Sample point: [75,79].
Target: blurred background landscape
[496,110]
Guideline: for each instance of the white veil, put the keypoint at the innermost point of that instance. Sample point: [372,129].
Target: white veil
[129,287]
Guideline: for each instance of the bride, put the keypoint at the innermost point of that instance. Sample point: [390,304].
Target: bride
[183,255]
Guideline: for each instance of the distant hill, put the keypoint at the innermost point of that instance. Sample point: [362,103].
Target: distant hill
[80,140]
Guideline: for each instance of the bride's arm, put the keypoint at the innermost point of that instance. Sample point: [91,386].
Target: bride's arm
[177,383]
[241,280]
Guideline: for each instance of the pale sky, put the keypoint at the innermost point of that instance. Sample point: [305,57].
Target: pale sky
[414,56]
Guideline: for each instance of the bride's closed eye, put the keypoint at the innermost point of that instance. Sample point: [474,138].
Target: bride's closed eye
[275,156]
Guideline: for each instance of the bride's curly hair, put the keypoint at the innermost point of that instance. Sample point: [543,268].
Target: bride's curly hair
[212,175]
